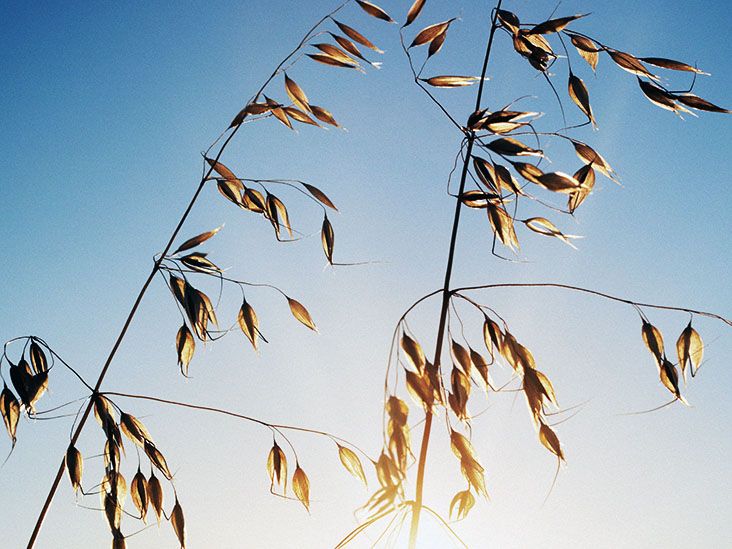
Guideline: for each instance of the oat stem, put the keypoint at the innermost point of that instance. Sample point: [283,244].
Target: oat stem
[417,506]
[151,276]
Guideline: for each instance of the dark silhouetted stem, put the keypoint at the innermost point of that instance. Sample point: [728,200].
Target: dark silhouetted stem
[417,507]
[275,426]
[597,293]
[118,342]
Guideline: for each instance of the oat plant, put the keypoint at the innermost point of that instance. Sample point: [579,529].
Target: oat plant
[500,167]
[133,462]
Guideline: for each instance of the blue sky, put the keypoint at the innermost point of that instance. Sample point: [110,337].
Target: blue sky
[105,110]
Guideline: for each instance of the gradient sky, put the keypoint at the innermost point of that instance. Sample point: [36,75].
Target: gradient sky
[105,109]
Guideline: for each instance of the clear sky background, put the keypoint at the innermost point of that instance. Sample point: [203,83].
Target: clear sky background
[105,109]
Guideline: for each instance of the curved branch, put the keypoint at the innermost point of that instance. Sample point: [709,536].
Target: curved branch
[604,295]
[275,426]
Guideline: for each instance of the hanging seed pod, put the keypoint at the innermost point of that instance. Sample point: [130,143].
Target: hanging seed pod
[277,467]
[587,49]
[670,378]
[35,386]
[198,262]
[296,94]
[356,36]
[185,346]
[472,470]
[254,200]
[157,459]
[75,467]
[481,365]
[590,156]
[224,172]
[436,44]
[249,324]
[414,352]
[428,34]
[550,441]
[351,48]
[398,432]
[690,350]
[696,102]
[653,340]
[10,410]
[414,12]
[464,501]
[299,311]
[398,410]
[543,226]
[196,240]
[461,357]
[580,96]
[460,391]
[450,81]
[630,63]
[299,116]
[351,462]
[335,52]
[492,335]
[419,388]
[509,20]
[332,61]
[327,237]
[112,511]
[139,494]
[585,176]
[374,11]
[155,494]
[301,486]
[178,522]
[20,376]
[319,195]
[38,358]
[103,410]
[113,493]
[387,472]
[111,455]
[502,225]
[555,25]
[134,429]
